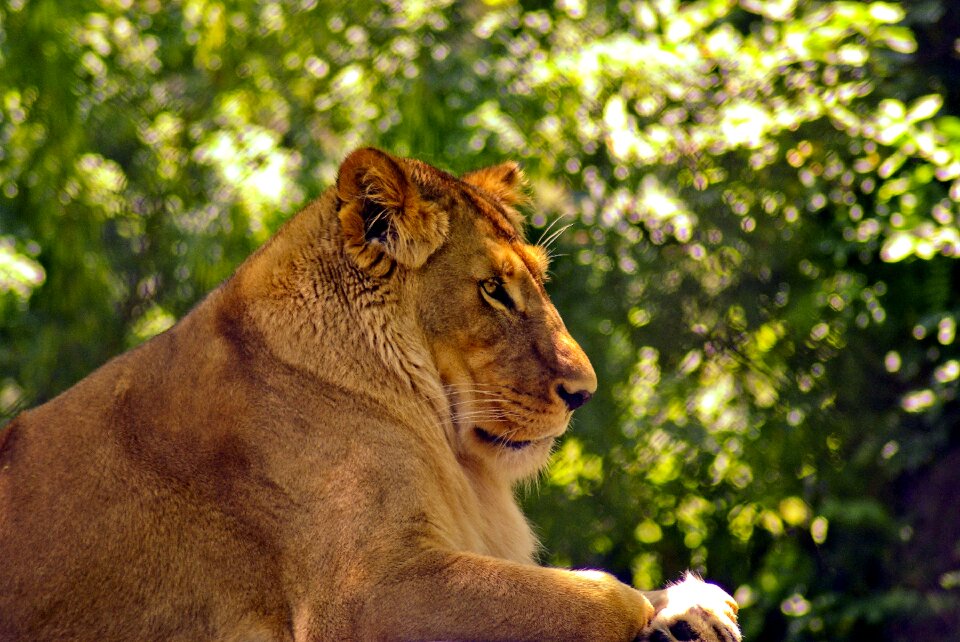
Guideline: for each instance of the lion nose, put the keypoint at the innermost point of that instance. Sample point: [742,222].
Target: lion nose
[573,399]
[576,380]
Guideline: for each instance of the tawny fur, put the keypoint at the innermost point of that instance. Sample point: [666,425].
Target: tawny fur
[321,449]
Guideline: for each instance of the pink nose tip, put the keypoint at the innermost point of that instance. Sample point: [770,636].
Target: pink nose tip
[573,399]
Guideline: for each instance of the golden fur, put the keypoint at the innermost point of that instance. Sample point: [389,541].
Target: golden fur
[324,448]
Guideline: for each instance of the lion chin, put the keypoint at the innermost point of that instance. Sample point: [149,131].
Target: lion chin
[326,447]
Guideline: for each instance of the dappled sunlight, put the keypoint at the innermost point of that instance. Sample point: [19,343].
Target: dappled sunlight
[20,273]
[257,170]
[574,470]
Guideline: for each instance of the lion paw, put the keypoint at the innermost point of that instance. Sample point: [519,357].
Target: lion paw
[694,611]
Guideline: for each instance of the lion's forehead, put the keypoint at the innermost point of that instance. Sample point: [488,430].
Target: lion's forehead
[494,220]
[511,259]
[536,259]
[452,193]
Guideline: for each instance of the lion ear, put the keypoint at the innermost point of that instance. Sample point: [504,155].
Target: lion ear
[506,183]
[384,220]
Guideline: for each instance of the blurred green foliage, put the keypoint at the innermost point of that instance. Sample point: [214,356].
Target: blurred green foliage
[762,201]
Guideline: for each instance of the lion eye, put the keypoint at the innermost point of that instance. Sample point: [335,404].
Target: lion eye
[495,294]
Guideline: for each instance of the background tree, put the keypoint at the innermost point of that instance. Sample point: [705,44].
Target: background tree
[759,212]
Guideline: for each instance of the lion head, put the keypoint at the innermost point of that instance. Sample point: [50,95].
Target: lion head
[454,254]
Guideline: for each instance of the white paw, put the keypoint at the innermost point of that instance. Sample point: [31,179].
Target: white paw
[694,611]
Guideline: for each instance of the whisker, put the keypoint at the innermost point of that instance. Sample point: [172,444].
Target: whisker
[547,229]
[478,391]
[489,414]
[474,386]
[555,235]
[478,384]
[483,396]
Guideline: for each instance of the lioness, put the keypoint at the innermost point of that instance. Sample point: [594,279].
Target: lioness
[325,447]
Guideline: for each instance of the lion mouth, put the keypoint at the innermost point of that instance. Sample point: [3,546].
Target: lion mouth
[499,440]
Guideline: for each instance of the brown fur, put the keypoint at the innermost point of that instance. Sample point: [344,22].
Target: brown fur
[321,449]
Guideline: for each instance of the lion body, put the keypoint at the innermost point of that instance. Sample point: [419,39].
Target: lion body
[293,461]
[294,491]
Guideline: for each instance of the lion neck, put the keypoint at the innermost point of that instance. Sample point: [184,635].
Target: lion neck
[317,312]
